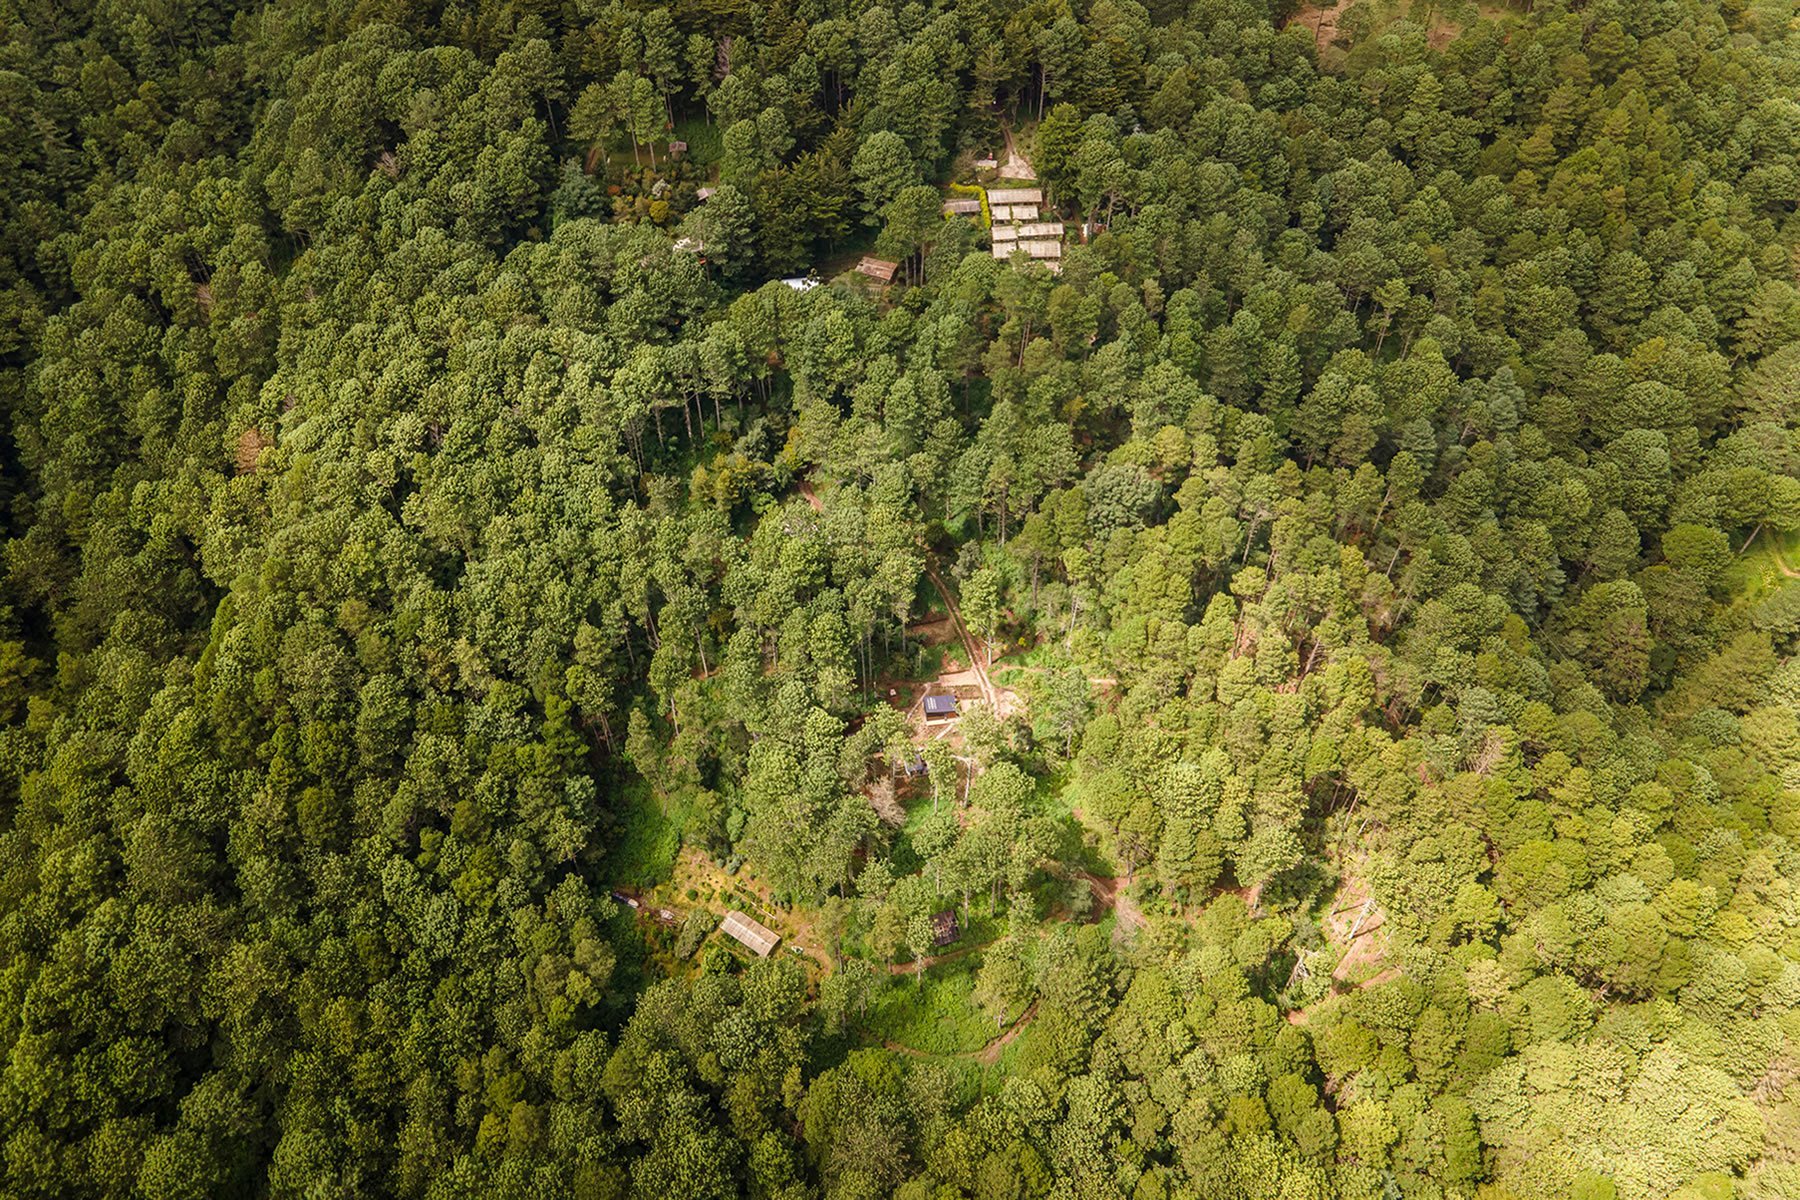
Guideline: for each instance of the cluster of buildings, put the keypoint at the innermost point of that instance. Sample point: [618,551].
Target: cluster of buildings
[1019,226]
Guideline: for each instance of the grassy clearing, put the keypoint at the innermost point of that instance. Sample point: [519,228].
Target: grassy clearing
[705,141]
[930,663]
[643,853]
[935,1017]
[1762,579]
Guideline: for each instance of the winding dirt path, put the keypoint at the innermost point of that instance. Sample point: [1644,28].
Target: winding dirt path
[988,1055]
[1111,894]
[949,956]
[1780,562]
[988,692]
[1015,166]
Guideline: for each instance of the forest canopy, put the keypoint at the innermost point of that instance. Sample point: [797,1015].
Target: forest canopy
[474,515]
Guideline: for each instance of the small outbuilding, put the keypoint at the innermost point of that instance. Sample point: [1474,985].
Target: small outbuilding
[940,708]
[876,268]
[915,766]
[761,939]
[944,929]
[962,207]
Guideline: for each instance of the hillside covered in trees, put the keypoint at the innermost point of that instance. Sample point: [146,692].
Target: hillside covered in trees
[446,566]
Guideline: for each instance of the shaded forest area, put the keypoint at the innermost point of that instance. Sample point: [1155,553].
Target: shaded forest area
[396,513]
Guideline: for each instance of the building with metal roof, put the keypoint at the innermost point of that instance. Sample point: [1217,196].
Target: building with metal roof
[877,268]
[761,939]
[1015,195]
[940,707]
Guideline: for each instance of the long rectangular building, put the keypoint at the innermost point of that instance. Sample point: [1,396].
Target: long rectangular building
[761,939]
[1015,195]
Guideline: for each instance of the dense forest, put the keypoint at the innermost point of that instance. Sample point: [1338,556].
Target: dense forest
[467,525]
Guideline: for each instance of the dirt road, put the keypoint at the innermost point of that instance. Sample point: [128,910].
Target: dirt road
[909,968]
[1015,166]
[1111,894]
[988,1055]
[977,662]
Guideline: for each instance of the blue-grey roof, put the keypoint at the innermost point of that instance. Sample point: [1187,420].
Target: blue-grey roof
[940,704]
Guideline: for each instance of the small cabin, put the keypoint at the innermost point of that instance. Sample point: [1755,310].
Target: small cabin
[940,708]
[944,929]
[876,268]
[915,766]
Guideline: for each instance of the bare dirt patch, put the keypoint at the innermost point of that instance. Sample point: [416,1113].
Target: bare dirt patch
[1015,166]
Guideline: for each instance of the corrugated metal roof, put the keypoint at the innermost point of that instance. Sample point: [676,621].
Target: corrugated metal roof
[758,937]
[939,705]
[1015,195]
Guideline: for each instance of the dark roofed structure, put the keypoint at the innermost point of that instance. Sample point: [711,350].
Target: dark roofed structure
[877,268]
[940,706]
[944,928]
